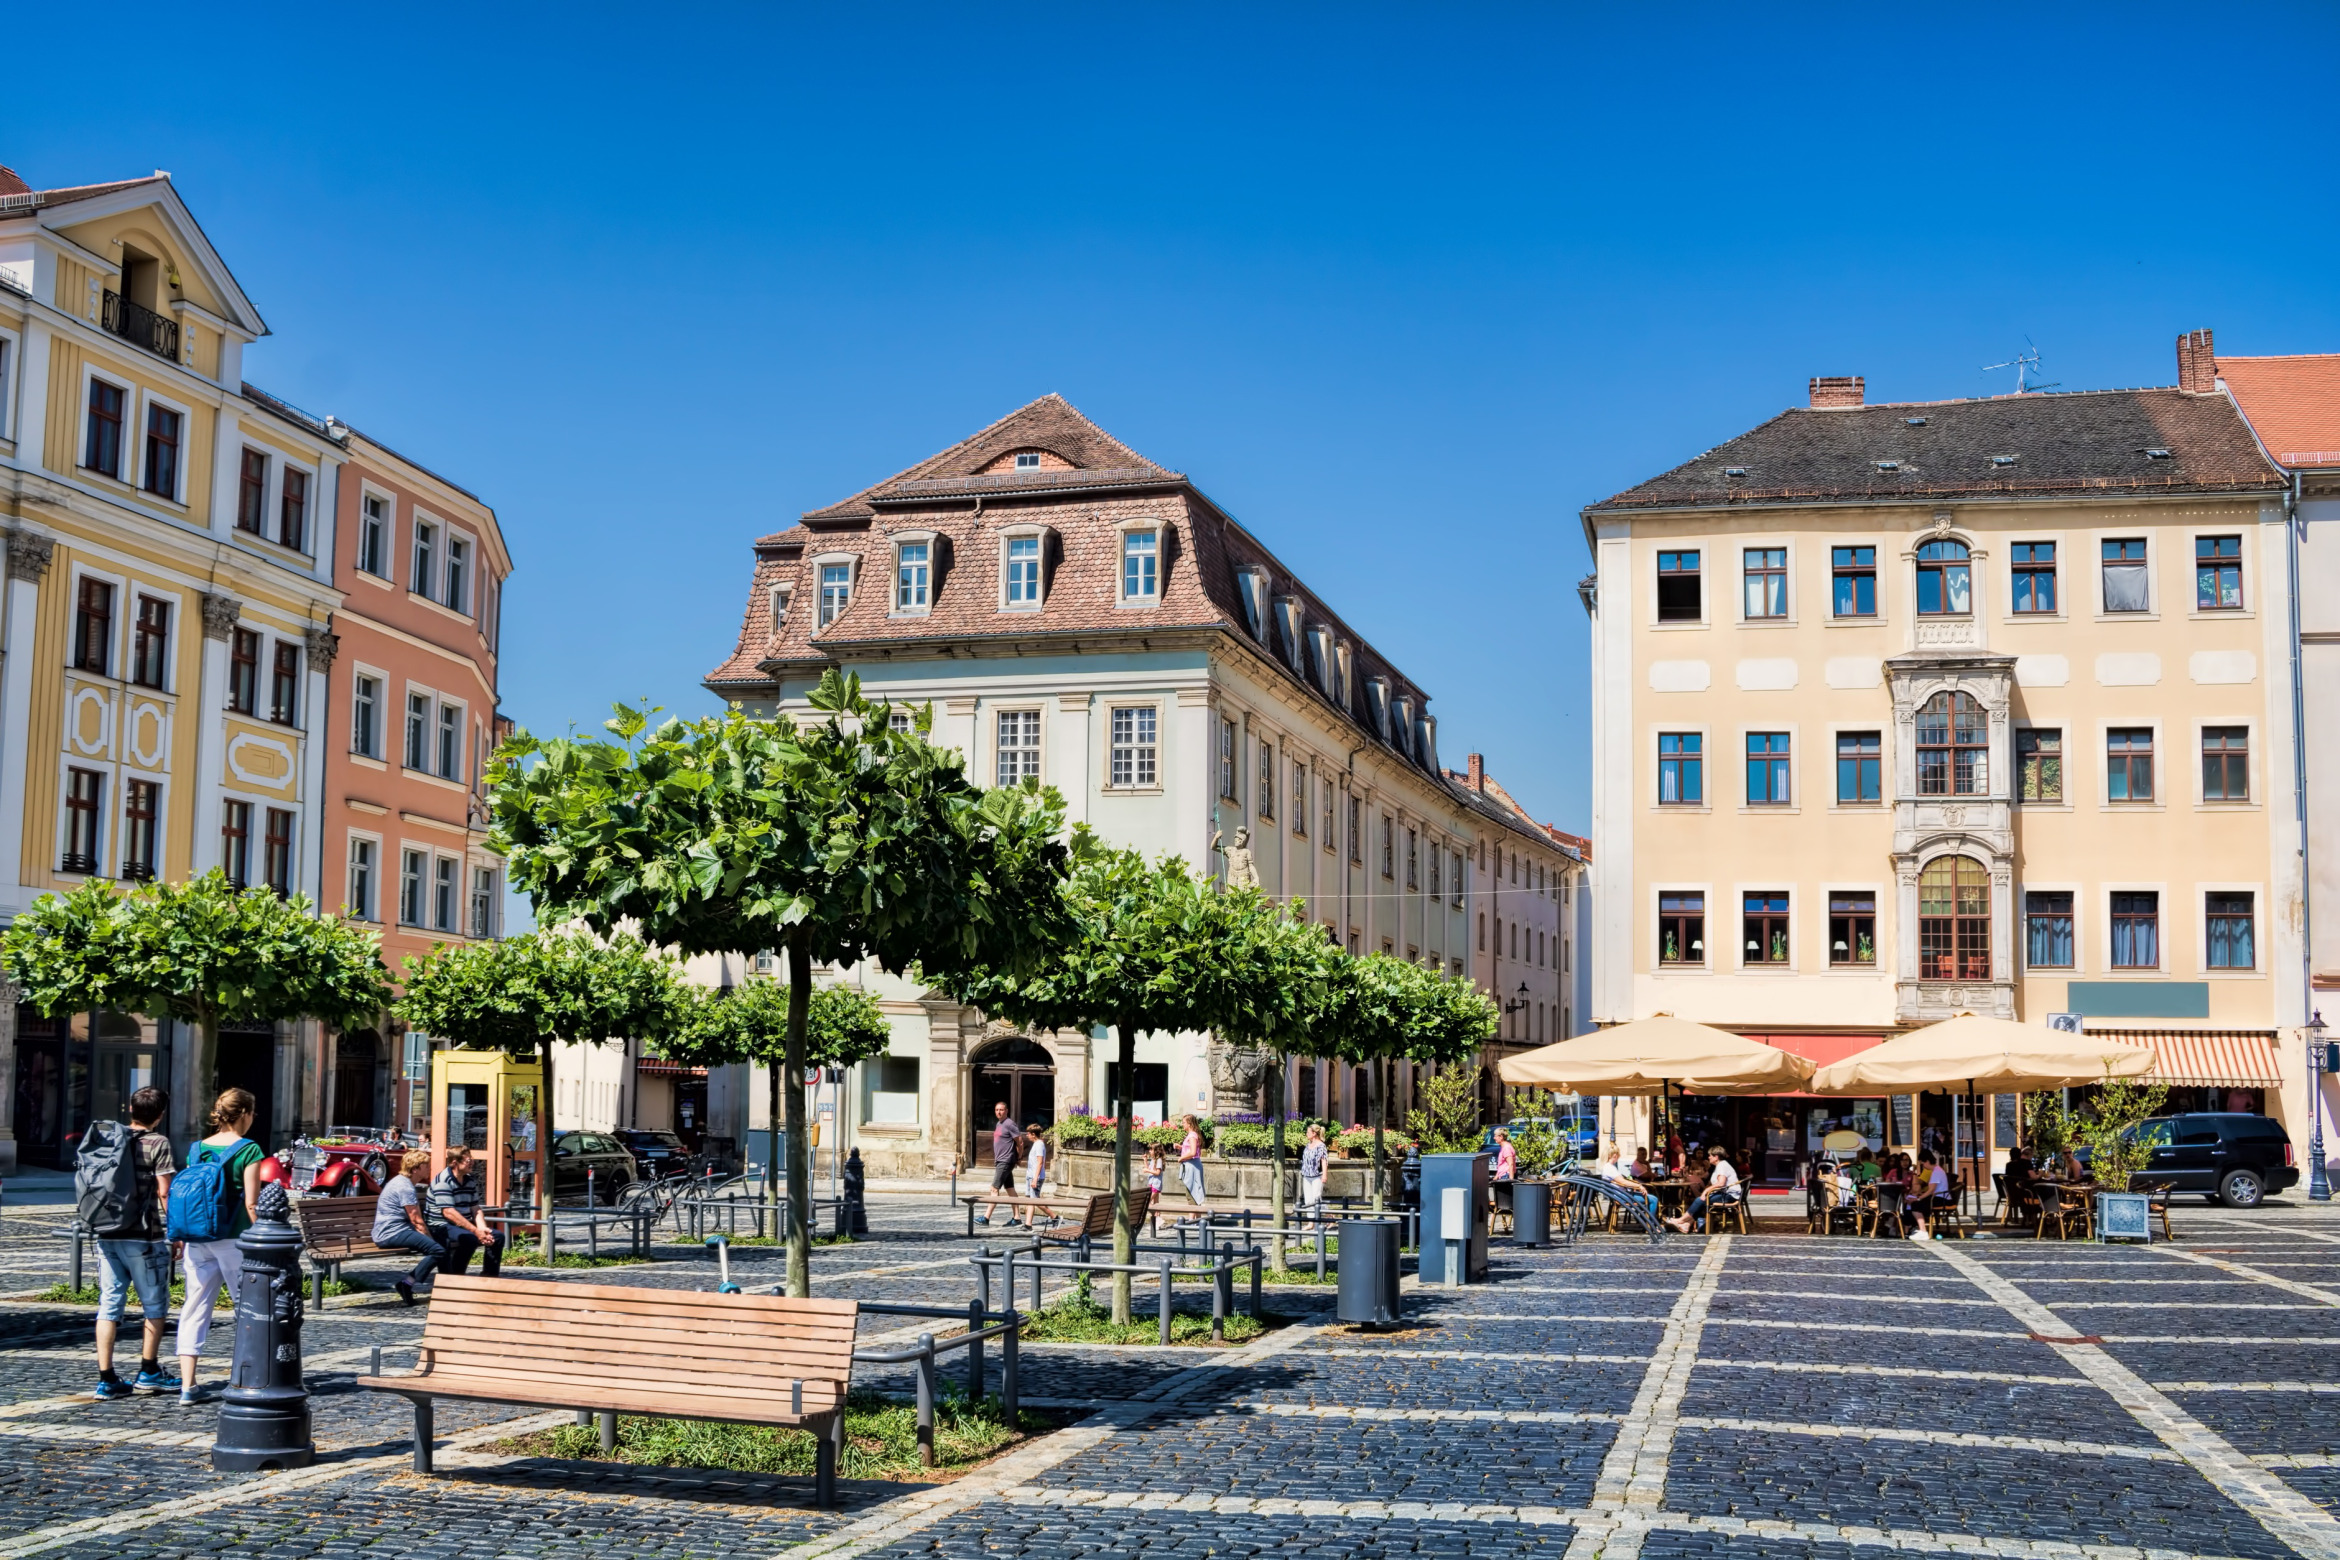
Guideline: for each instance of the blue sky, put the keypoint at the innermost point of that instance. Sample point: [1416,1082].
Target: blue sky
[1401,288]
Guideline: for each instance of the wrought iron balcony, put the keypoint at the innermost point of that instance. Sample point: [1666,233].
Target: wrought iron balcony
[140,326]
[83,866]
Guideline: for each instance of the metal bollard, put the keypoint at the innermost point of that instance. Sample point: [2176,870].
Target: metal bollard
[1225,1282]
[1165,1301]
[1256,1262]
[552,1241]
[1009,1354]
[608,1433]
[975,1310]
[77,1262]
[592,1225]
[1220,1284]
[1037,1274]
[264,1416]
[1009,1274]
[377,1368]
[926,1400]
[1320,1253]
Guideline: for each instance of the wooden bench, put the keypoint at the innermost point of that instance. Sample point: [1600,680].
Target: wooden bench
[1097,1220]
[335,1229]
[607,1349]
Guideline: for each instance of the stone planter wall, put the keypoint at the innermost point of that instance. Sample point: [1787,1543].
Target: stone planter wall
[1245,1180]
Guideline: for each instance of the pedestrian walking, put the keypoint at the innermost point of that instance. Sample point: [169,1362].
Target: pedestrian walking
[1005,1136]
[452,1213]
[1190,1171]
[214,1200]
[1313,1155]
[398,1221]
[122,1180]
[1156,1168]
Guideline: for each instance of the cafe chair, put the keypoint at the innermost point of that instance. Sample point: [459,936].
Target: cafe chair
[2061,1210]
[1727,1214]
[1954,1220]
[1886,1204]
[2157,1202]
[1999,1189]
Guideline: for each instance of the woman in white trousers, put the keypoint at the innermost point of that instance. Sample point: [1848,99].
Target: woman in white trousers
[213,1265]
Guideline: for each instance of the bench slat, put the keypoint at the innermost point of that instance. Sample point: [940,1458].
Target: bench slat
[462,1311]
[583,1373]
[644,1354]
[819,1398]
[664,1300]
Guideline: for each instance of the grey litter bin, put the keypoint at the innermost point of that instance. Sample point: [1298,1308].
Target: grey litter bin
[1531,1213]
[1369,1273]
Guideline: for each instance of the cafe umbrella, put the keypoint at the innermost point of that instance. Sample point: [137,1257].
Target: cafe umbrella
[1984,1056]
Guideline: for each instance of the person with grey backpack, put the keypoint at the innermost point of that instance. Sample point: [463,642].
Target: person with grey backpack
[121,1182]
[213,1200]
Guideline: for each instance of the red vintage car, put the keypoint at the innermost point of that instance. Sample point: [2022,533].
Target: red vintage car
[347,1163]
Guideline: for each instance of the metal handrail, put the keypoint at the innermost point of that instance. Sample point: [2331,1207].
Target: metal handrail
[1221,1272]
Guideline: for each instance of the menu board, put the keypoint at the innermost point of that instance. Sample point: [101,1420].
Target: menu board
[2006,1119]
[1905,1118]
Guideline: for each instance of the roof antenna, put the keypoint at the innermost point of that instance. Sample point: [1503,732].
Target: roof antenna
[2023,363]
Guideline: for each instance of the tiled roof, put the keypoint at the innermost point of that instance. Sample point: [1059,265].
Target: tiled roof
[1499,806]
[2090,441]
[2293,402]
[1050,424]
[16,195]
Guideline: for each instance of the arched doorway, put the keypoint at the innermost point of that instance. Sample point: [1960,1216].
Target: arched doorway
[1016,1072]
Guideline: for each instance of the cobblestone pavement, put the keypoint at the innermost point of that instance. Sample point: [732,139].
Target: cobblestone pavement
[1739,1398]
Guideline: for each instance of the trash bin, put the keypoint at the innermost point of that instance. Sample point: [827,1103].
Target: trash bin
[1369,1273]
[1531,1213]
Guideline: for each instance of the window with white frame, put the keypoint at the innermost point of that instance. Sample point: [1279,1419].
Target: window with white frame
[426,557]
[418,732]
[1022,561]
[413,869]
[365,716]
[1227,766]
[373,538]
[1141,553]
[450,741]
[165,439]
[1019,746]
[458,596]
[7,367]
[443,884]
[912,580]
[103,436]
[836,591]
[360,898]
[1300,798]
[483,902]
[1132,755]
[1267,779]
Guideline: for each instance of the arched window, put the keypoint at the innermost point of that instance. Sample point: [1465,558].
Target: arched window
[1954,920]
[1953,747]
[1944,580]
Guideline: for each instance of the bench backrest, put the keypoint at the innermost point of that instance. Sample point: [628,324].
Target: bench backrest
[609,1336]
[336,1221]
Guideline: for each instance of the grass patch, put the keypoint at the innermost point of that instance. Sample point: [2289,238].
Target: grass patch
[1079,1318]
[881,1440]
[533,1256]
[1306,1275]
[87,1294]
[768,1240]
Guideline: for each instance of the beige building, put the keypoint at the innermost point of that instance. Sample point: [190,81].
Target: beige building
[1908,710]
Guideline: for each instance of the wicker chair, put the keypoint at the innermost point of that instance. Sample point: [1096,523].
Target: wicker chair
[2157,1202]
[1886,1202]
[2063,1211]
[1728,1213]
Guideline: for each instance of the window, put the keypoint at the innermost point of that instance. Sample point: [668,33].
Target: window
[360,899]
[292,511]
[276,855]
[244,672]
[235,842]
[1267,779]
[1767,768]
[450,741]
[418,731]
[1853,577]
[1681,768]
[373,542]
[1945,584]
[2218,573]
[443,894]
[2035,576]
[2136,931]
[162,451]
[1028,460]
[1388,847]
[1766,582]
[1860,766]
[2047,931]
[836,591]
[426,557]
[1227,760]
[2230,938]
[141,815]
[483,902]
[150,642]
[1019,746]
[284,684]
[458,574]
[1482,931]
[2129,764]
[93,627]
[102,450]
[1300,800]
[2226,764]
[2125,585]
[1330,833]
[1677,584]
[1131,759]
[1852,928]
[1140,554]
[1435,876]
[910,577]
[1953,747]
[1954,920]
[1764,928]
[1413,860]
[1681,929]
[365,717]
[252,493]
[1023,571]
[85,791]
[2039,764]
[410,888]
[1356,832]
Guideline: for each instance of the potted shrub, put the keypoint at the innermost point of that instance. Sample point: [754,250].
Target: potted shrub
[2117,1150]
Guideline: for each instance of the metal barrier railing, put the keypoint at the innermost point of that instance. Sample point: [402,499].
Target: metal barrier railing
[1218,1267]
[1008,1330]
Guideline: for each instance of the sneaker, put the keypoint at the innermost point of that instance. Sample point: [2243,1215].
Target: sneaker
[1919,1235]
[110,1387]
[155,1381]
[983,1218]
[406,1290]
[189,1397]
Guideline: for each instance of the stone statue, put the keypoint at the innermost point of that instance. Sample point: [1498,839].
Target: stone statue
[1241,873]
[1237,1072]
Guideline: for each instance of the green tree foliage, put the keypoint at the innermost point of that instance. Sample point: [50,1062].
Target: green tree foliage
[837,839]
[2116,1149]
[1379,1009]
[1448,1120]
[203,952]
[521,995]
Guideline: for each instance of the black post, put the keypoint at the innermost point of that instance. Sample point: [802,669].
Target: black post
[983,1275]
[975,1310]
[1008,1358]
[264,1415]
[853,1212]
[1165,1302]
[926,1400]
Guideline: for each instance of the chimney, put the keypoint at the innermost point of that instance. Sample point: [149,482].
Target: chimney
[1479,774]
[1835,392]
[2197,363]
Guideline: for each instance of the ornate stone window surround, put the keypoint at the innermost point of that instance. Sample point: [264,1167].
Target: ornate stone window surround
[1026,531]
[896,541]
[1960,631]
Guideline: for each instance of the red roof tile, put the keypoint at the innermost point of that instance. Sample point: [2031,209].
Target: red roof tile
[2293,404]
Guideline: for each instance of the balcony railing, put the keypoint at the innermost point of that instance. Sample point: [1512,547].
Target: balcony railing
[140,326]
[82,866]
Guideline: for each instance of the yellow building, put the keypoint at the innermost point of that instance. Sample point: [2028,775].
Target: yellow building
[1909,710]
[165,632]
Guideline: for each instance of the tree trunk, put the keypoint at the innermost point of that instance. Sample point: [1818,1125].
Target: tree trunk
[203,1073]
[1276,1187]
[799,1150]
[1380,1123]
[772,1120]
[545,1133]
[1124,1229]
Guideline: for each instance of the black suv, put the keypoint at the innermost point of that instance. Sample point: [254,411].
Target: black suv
[2228,1156]
[660,1153]
[574,1153]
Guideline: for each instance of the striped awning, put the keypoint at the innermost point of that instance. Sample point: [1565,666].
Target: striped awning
[2207,1058]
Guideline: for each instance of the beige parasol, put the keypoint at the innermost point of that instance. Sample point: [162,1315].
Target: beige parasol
[1655,1055]
[1982,1056]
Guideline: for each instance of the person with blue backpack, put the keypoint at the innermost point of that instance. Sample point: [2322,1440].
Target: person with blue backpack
[122,1179]
[213,1200]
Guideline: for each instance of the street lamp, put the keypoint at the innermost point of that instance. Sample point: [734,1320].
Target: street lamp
[1517,1003]
[2319,1188]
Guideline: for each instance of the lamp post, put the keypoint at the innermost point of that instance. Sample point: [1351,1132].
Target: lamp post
[2319,1186]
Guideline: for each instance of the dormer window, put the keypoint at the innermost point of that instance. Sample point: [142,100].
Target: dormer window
[2003,460]
[1141,553]
[2155,454]
[1889,465]
[1288,619]
[836,591]
[1377,698]
[912,577]
[1320,647]
[1020,562]
[1252,585]
[1028,460]
[781,596]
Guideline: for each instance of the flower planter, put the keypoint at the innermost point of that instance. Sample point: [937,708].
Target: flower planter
[2124,1216]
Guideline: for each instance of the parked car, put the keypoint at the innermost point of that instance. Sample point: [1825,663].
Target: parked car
[613,1168]
[338,1162]
[660,1154]
[2227,1156]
